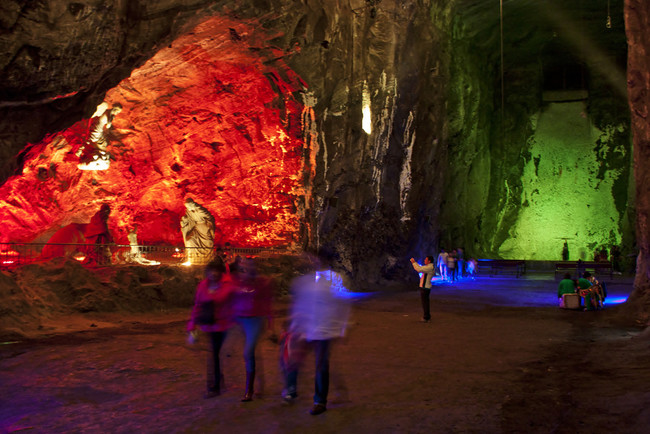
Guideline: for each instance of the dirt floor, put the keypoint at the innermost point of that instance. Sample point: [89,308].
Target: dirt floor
[497,357]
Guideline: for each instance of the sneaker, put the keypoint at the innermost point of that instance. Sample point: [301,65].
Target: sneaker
[288,399]
[426,320]
[318,409]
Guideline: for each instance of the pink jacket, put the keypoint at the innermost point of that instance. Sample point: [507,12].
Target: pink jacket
[222,298]
[253,298]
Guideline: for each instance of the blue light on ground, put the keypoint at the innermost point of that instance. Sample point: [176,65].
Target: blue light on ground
[530,290]
[617,300]
[338,286]
[355,295]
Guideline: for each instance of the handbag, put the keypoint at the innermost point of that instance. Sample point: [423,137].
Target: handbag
[205,313]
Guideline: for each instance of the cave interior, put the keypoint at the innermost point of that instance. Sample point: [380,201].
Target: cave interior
[382,129]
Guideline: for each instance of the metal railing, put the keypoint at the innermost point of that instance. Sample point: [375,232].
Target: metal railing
[18,254]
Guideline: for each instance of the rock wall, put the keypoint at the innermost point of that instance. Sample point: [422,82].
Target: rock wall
[58,59]
[497,93]
[214,117]
[373,194]
[470,120]
[637,19]
[414,136]
[568,187]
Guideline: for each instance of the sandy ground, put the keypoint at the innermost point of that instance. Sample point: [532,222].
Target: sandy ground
[498,357]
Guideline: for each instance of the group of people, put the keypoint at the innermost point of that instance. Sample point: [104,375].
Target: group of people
[451,265]
[235,293]
[592,292]
[224,297]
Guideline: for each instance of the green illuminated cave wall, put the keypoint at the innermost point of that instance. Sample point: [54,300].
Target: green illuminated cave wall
[569,189]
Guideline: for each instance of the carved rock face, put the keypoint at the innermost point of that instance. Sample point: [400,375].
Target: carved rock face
[204,118]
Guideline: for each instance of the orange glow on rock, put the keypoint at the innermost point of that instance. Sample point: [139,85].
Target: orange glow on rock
[211,117]
[8,257]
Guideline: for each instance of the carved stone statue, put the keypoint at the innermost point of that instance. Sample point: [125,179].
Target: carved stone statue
[96,232]
[93,154]
[89,241]
[135,255]
[197,226]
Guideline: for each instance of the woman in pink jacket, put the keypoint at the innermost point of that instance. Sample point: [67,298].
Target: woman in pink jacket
[252,309]
[212,313]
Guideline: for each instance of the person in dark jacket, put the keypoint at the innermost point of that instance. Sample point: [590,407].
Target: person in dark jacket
[212,313]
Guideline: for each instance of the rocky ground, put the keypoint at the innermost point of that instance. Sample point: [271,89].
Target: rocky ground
[498,356]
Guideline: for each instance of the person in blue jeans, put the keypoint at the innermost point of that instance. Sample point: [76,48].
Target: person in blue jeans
[319,315]
[252,310]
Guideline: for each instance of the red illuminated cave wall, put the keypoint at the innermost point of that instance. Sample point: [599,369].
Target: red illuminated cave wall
[214,117]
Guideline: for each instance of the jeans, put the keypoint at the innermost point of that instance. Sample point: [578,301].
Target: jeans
[214,371]
[253,327]
[322,373]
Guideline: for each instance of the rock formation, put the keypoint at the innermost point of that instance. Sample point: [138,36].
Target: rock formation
[637,18]
[383,129]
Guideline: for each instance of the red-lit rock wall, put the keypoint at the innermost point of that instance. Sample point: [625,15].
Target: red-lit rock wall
[372,195]
[214,117]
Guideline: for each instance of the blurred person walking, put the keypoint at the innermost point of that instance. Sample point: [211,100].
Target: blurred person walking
[252,310]
[319,315]
[441,263]
[212,313]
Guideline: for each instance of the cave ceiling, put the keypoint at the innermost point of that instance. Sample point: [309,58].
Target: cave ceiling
[39,42]
[539,31]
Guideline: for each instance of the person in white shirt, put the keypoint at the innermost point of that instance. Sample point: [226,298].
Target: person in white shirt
[319,315]
[442,263]
[427,271]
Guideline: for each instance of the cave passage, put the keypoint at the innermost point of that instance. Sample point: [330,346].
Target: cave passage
[213,117]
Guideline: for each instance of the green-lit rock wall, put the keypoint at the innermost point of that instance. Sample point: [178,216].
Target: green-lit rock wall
[468,129]
[568,187]
[527,171]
